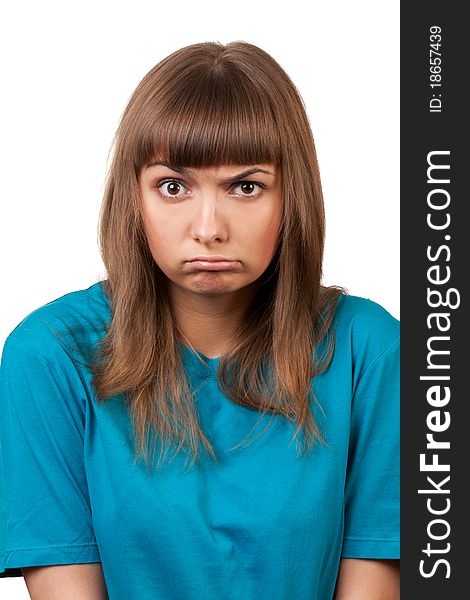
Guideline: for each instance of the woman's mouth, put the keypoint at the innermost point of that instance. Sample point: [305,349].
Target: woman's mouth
[215,265]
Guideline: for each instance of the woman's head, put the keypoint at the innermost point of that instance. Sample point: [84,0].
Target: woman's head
[213,109]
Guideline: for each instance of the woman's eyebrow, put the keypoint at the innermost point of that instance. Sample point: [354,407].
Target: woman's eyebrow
[185,172]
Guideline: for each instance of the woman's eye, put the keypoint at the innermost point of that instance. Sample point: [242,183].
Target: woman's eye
[170,188]
[248,187]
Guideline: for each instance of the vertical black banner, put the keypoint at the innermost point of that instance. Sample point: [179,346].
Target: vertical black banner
[435,265]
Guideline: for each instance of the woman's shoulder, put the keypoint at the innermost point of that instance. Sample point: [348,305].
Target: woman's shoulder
[365,326]
[80,314]
[363,313]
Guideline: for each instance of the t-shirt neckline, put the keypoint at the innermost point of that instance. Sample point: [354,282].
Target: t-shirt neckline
[195,365]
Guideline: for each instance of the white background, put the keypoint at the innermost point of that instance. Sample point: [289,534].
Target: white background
[68,70]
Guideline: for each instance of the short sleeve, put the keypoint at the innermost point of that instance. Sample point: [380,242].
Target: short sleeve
[372,494]
[45,516]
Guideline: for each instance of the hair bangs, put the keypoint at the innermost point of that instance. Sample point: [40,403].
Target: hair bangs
[211,122]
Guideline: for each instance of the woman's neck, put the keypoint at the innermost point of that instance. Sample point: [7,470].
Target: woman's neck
[207,323]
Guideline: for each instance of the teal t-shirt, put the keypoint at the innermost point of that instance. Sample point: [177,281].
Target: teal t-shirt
[265,523]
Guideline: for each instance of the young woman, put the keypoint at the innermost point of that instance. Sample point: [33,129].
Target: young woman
[211,328]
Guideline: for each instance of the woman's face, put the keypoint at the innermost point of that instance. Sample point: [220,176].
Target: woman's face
[228,211]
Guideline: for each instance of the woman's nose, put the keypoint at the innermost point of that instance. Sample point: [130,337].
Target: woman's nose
[209,223]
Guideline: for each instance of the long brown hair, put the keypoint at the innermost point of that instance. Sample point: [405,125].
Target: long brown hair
[210,104]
